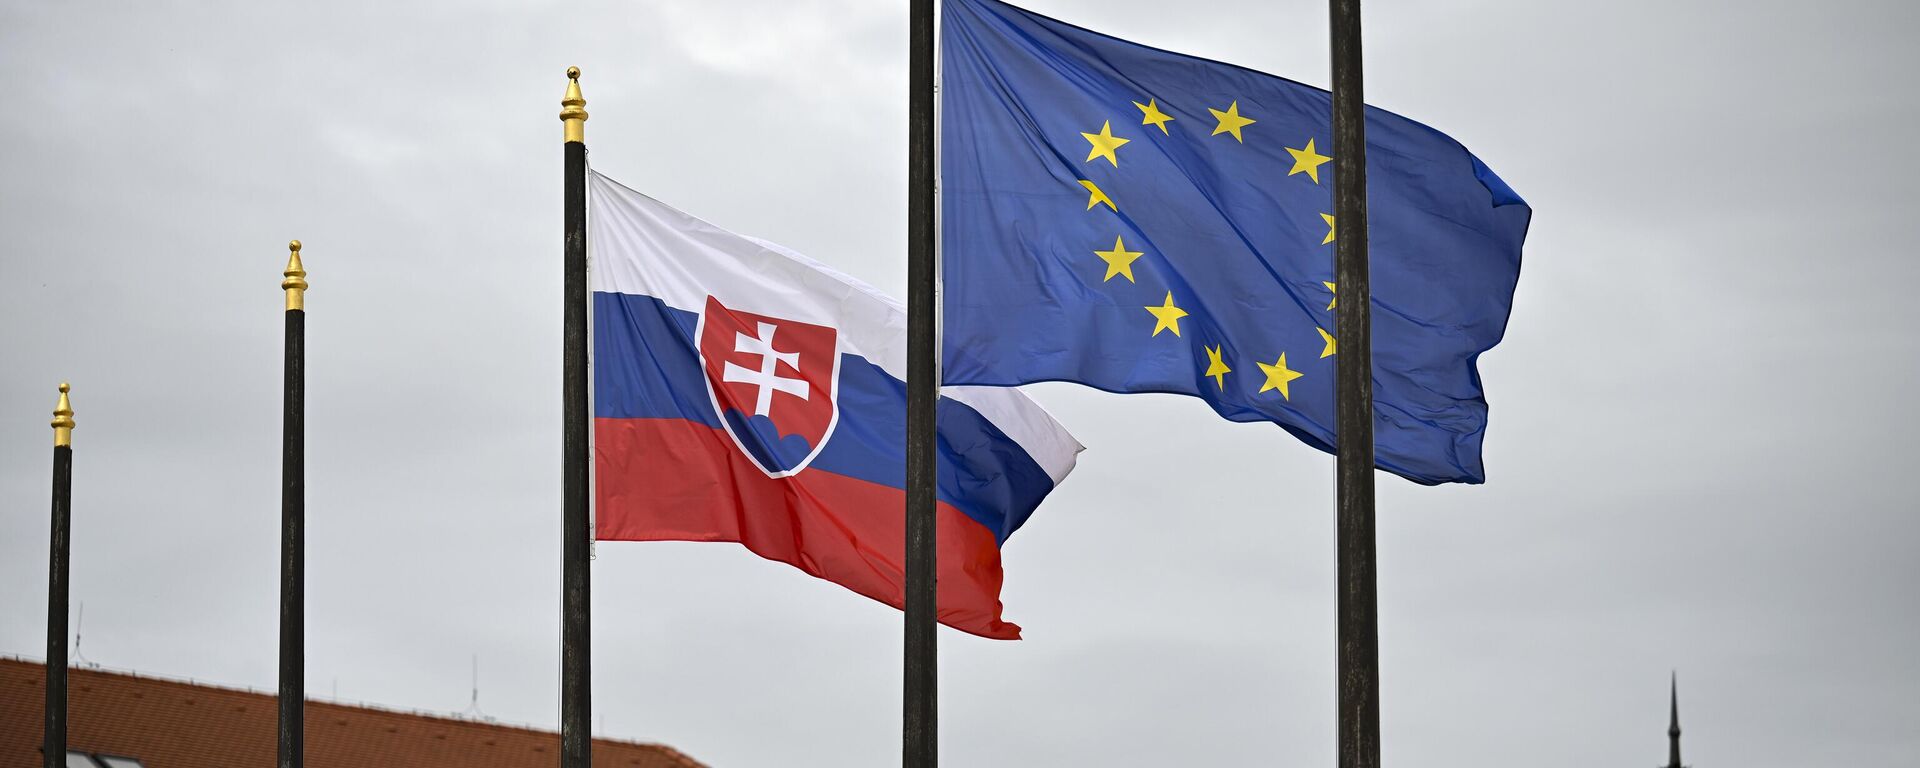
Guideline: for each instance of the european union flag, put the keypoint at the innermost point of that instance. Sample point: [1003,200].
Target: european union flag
[1141,221]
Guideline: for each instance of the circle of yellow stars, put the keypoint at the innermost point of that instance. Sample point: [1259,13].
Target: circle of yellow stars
[1105,145]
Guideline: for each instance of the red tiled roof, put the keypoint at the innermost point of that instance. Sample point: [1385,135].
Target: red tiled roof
[171,724]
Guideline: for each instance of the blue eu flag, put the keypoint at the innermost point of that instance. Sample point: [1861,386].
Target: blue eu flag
[1141,221]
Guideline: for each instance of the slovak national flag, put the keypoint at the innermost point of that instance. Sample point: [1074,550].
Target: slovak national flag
[745,393]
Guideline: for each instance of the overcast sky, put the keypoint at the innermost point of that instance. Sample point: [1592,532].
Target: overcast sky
[1699,455]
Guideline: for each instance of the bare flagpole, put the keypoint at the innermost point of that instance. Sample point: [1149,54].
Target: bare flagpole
[920,720]
[293,519]
[1357,742]
[54,726]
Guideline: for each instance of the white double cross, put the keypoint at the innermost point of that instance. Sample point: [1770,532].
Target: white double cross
[767,379]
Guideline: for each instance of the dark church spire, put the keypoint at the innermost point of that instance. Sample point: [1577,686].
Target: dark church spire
[1673,729]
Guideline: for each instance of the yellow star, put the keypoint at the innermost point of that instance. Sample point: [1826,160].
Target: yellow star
[1331,290]
[1104,143]
[1152,115]
[1327,337]
[1119,261]
[1217,368]
[1327,216]
[1307,161]
[1230,121]
[1167,317]
[1278,376]
[1097,197]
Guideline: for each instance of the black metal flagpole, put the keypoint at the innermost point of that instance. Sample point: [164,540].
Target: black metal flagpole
[1358,740]
[54,733]
[576,697]
[920,720]
[293,520]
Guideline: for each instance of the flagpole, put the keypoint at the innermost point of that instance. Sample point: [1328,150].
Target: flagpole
[293,519]
[576,698]
[54,733]
[1357,742]
[920,720]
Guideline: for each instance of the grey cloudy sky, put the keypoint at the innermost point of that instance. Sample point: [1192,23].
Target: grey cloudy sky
[1698,457]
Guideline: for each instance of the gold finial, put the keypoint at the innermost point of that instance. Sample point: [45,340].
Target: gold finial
[63,419]
[573,108]
[296,283]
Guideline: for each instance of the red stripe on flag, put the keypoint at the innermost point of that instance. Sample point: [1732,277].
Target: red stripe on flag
[674,480]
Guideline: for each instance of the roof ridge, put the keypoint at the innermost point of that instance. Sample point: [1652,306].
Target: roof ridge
[450,718]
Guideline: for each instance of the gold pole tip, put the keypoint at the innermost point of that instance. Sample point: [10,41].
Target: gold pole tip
[573,108]
[63,419]
[296,273]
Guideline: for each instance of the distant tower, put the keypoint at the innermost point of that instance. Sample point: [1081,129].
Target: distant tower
[1673,729]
